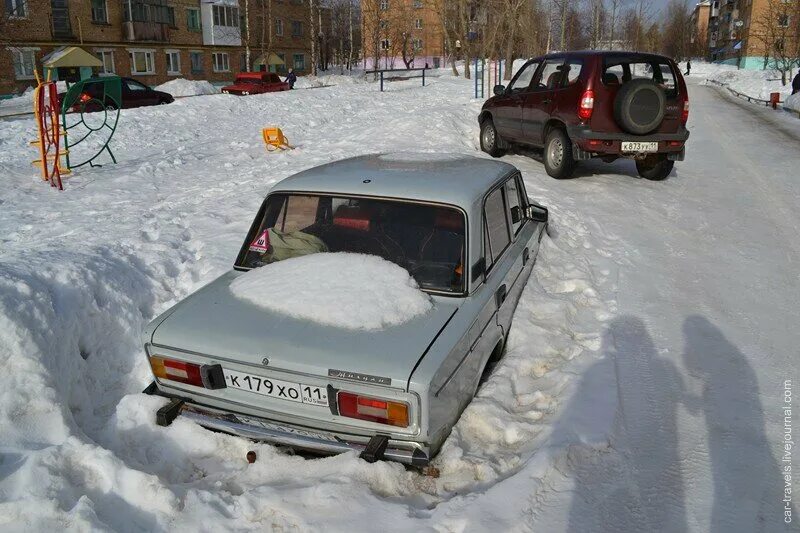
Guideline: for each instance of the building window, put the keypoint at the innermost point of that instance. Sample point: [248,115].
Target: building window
[220,60]
[299,62]
[297,28]
[17,8]
[107,57]
[173,62]
[279,27]
[783,21]
[24,63]
[193,19]
[417,4]
[385,44]
[142,62]
[226,16]
[196,59]
[384,24]
[243,62]
[418,24]
[99,12]
[384,5]
[416,44]
[171,17]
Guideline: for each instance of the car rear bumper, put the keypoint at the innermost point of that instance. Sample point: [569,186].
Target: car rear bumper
[585,133]
[294,436]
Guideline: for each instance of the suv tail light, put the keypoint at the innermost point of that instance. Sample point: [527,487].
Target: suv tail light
[587,105]
[373,409]
[685,112]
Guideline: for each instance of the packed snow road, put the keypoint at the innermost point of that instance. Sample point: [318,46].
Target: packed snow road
[642,389]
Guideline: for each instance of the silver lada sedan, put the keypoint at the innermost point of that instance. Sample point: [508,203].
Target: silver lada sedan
[465,230]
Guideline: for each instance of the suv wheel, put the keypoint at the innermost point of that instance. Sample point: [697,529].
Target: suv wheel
[654,168]
[490,140]
[558,159]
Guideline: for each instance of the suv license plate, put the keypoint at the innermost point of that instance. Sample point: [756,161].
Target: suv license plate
[639,147]
[276,388]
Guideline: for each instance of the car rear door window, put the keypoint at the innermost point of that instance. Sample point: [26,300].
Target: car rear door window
[550,74]
[523,78]
[622,70]
[496,225]
[572,70]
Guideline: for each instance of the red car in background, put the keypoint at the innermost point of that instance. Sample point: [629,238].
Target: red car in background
[256,83]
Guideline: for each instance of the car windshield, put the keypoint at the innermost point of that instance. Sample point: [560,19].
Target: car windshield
[427,240]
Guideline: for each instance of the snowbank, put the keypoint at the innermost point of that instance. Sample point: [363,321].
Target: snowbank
[793,102]
[755,83]
[184,87]
[352,291]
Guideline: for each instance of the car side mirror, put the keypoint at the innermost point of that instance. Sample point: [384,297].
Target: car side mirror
[537,213]
[516,214]
[478,269]
[499,89]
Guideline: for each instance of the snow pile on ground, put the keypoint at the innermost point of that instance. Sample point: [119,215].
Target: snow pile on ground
[352,291]
[184,87]
[793,102]
[755,83]
[330,77]
[606,412]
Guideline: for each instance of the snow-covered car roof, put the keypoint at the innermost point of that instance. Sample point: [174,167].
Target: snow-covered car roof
[456,179]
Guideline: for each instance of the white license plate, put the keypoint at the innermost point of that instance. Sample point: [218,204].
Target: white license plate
[635,146]
[276,388]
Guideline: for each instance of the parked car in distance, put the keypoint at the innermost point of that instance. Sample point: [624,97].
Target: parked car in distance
[256,83]
[463,227]
[134,94]
[592,104]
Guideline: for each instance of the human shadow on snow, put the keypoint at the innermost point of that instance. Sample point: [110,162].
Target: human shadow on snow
[633,478]
[630,480]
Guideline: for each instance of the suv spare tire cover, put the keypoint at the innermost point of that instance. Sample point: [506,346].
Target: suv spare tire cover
[639,106]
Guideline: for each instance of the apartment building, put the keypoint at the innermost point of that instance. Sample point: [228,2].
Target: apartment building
[393,29]
[747,32]
[151,40]
[699,21]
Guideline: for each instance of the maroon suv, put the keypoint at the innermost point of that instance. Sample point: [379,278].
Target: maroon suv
[582,105]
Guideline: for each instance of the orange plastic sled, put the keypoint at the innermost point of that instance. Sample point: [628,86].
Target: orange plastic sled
[274,139]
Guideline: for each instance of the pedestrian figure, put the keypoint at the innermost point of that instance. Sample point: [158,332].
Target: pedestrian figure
[796,83]
[688,67]
[291,77]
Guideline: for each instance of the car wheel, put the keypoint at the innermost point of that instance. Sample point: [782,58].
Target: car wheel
[490,139]
[558,159]
[654,168]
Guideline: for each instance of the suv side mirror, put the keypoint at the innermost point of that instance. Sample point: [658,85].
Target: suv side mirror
[536,212]
[499,89]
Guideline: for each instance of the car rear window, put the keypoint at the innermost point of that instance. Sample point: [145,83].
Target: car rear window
[620,70]
[427,240]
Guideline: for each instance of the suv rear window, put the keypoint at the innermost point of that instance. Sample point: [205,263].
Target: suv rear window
[620,70]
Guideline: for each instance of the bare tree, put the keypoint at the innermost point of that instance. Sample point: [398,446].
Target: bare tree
[777,29]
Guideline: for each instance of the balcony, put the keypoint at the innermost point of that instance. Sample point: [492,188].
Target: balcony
[146,31]
[147,20]
[221,23]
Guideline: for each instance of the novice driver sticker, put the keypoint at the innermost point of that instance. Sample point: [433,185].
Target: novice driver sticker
[261,244]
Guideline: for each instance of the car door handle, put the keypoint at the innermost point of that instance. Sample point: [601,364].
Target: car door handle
[526,254]
[546,101]
[501,294]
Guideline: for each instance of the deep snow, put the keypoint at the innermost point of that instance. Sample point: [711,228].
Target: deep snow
[351,291]
[640,390]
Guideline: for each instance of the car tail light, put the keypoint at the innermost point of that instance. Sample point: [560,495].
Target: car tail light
[587,105]
[85,97]
[685,113]
[373,409]
[179,371]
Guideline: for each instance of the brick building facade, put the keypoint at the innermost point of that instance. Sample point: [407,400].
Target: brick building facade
[152,41]
[389,26]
